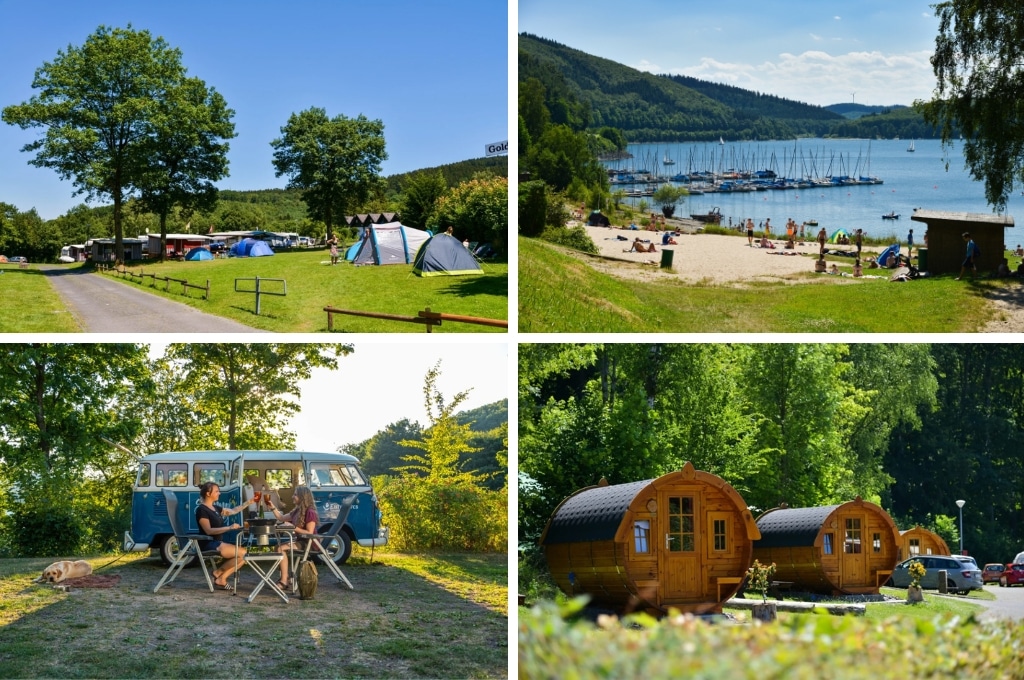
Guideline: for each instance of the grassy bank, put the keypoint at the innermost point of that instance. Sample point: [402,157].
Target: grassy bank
[410,616]
[559,292]
[30,303]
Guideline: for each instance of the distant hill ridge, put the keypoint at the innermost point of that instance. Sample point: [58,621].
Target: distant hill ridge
[588,91]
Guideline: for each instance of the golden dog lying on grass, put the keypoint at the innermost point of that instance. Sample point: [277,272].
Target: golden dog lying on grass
[58,571]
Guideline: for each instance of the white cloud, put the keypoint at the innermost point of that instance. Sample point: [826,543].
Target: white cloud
[816,38]
[838,18]
[818,77]
[644,65]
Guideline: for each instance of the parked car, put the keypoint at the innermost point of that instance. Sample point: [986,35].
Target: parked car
[961,576]
[16,259]
[966,559]
[992,572]
[1013,575]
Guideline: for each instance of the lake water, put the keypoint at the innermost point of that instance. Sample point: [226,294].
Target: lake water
[911,180]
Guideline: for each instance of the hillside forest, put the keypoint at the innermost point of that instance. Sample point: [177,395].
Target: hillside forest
[911,427]
[75,418]
[23,232]
[591,93]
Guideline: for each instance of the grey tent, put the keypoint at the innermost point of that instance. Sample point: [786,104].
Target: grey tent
[444,255]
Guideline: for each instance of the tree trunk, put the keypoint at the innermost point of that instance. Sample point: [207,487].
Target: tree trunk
[766,612]
[914,594]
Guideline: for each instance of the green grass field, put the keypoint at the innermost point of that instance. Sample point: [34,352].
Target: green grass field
[561,293]
[30,303]
[312,284]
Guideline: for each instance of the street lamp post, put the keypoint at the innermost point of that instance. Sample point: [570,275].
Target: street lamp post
[960,504]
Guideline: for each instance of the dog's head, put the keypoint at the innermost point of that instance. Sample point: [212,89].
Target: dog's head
[53,573]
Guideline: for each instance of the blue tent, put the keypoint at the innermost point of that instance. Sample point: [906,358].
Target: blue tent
[197,254]
[250,247]
[891,251]
[350,254]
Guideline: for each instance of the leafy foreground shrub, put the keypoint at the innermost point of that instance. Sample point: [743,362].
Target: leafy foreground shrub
[810,647]
[571,237]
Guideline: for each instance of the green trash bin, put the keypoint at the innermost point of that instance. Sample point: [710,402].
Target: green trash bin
[666,258]
[922,259]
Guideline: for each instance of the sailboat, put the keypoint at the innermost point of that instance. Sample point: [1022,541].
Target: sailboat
[668,161]
[721,141]
[911,147]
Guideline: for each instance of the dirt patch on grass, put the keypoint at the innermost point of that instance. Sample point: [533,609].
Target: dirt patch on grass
[396,623]
[1009,309]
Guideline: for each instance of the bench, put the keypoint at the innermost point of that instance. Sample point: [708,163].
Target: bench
[727,580]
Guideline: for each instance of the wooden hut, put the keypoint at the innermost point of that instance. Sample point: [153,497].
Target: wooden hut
[921,541]
[682,540]
[835,549]
[946,246]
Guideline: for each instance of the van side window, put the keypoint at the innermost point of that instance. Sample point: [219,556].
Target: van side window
[279,479]
[355,476]
[210,472]
[144,477]
[172,474]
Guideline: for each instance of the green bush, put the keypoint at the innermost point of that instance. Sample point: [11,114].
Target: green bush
[576,238]
[807,646]
[447,514]
[532,207]
[41,531]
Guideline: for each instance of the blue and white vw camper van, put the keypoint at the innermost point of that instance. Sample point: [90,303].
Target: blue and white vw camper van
[332,477]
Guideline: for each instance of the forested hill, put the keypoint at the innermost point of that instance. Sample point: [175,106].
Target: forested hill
[586,91]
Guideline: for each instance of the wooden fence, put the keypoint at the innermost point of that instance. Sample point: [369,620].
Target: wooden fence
[426,317]
[167,280]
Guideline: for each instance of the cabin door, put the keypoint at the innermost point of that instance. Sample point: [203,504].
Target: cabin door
[854,565]
[680,545]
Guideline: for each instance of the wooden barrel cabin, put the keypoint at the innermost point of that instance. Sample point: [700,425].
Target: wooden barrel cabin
[921,541]
[683,540]
[835,549]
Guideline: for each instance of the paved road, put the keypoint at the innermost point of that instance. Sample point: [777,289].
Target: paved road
[1009,603]
[102,305]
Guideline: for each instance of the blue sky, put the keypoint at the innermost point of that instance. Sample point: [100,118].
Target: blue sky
[436,74]
[819,52]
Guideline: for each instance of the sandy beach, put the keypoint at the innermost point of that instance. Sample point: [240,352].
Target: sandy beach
[713,258]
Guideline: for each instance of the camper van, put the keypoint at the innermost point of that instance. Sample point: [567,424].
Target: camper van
[332,477]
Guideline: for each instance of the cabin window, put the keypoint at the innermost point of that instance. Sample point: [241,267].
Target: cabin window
[876,543]
[827,546]
[719,528]
[852,544]
[172,474]
[642,536]
[210,472]
[929,551]
[680,537]
[915,546]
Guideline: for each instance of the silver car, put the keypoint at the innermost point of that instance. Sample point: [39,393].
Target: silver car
[961,576]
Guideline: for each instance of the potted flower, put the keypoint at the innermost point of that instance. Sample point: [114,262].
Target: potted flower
[916,571]
[760,579]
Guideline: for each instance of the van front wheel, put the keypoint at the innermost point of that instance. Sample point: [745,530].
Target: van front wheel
[169,550]
[340,547]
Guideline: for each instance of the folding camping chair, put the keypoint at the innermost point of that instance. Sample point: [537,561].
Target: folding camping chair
[189,547]
[317,541]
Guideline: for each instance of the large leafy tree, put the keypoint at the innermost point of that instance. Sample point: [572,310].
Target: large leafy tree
[979,64]
[421,192]
[334,161]
[62,486]
[98,104]
[478,210]
[188,152]
[246,392]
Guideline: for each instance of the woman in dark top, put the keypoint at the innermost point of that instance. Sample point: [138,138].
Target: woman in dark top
[211,522]
[303,516]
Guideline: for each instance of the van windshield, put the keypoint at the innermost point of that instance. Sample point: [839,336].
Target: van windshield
[326,474]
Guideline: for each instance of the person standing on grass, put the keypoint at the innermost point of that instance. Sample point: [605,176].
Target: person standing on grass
[334,248]
[859,240]
[822,237]
[910,244]
[969,258]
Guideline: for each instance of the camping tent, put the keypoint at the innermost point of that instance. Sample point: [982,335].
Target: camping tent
[891,251]
[444,255]
[391,243]
[250,247]
[197,254]
[597,219]
[838,234]
[350,254]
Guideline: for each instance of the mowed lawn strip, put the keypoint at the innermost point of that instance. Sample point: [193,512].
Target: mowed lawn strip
[558,292]
[31,305]
[312,284]
[397,623]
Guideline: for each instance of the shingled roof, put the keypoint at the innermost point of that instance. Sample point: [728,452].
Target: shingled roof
[592,514]
[791,526]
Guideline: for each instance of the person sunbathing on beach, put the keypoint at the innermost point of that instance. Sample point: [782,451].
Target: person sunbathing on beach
[639,247]
[667,240]
[765,243]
